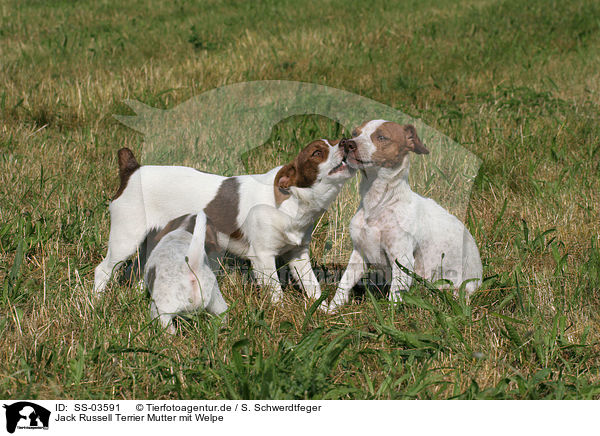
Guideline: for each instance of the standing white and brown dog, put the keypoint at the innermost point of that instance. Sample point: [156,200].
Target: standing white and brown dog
[257,217]
[393,223]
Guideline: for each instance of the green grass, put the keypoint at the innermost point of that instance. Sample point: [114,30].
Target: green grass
[516,84]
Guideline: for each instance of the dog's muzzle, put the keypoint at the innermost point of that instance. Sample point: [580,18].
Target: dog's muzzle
[348,145]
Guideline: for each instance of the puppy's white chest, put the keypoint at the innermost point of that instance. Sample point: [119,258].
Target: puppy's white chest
[367,239]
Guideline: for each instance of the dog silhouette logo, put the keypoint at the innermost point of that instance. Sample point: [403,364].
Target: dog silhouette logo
[26,415]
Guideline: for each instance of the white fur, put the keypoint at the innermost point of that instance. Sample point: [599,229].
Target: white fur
[394,223]
[179,285]
[157,194]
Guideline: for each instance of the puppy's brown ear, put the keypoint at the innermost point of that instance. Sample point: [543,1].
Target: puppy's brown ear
[414,142]
[285,178]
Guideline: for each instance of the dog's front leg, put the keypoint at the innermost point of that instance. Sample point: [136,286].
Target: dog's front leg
[265,273]
[301,269]
[400,280]
[400,247]
[117,253]
[354,271]
[127,232]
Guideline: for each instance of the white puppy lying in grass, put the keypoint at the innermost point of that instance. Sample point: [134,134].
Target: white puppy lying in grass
[177,272]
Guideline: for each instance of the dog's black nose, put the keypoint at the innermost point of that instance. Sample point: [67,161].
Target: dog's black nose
[348,144]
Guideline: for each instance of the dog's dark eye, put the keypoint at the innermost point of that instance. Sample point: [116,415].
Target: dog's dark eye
[354,133]
[382,138]
[317,153]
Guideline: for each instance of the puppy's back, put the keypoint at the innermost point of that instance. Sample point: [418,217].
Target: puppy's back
[176,273]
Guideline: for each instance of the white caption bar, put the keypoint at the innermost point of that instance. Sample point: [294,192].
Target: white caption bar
[88,418]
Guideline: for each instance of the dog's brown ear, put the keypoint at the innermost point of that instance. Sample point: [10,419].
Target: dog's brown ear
[285,178]
[414,142]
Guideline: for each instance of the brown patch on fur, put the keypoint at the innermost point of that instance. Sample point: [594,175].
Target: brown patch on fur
[302,172]
[283,181]
[414,142]
[225,207]
[211,243]
[393,142]
[127,166]
[307,163]
[189,221]
[358,130]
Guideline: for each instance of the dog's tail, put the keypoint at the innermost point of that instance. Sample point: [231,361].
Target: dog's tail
[127,166]
[196,252]
[202,278]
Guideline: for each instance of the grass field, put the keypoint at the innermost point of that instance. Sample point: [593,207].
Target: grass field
[517,84]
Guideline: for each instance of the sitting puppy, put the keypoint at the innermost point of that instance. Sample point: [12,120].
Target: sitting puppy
[177,272]
[394,224]
[257,217]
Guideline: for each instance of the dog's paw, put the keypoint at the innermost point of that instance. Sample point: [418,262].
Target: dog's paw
[277,298]
[396,296]
[324,307]
[331,307]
